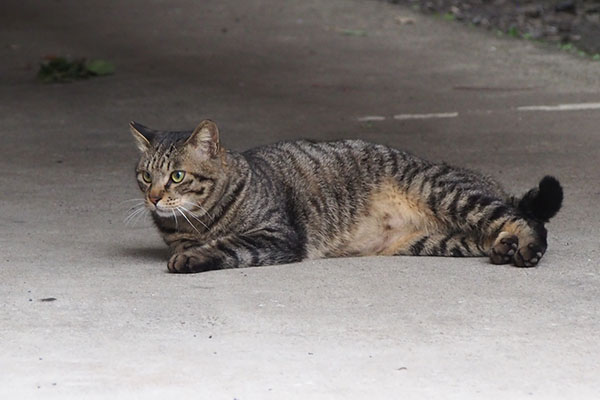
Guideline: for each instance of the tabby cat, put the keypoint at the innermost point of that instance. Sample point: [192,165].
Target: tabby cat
[292,201]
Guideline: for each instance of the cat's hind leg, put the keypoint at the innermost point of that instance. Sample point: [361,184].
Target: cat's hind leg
[504,248]
[521,241]
[453,244]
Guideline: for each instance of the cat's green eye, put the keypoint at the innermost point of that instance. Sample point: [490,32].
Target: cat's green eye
[146,177]
[177,176]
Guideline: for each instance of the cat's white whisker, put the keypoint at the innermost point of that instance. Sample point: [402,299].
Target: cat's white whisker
[204,210]
[141,216]
[135,215]
[136,206]
[194,216]
[186,218]
[175,216]
[141,201]
[133,211]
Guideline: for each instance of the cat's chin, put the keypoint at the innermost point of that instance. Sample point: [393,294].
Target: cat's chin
[164,213]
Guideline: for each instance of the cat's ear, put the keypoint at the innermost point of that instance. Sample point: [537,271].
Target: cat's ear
[205,138]
[143,135]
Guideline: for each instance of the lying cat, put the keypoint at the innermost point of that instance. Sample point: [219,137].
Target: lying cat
[292,201]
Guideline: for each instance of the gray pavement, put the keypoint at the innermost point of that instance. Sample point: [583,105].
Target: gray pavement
[371,328]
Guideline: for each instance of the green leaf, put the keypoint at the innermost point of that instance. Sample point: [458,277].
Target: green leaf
[60,69]
[513,31]
[100,67]
[353,32]
[567,47]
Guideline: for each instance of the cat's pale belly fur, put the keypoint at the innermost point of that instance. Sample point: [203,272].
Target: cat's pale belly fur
[391,219]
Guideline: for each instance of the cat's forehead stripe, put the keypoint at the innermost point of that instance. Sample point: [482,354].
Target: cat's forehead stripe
[163,157]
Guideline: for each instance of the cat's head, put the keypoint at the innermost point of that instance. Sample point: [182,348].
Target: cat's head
[179,172]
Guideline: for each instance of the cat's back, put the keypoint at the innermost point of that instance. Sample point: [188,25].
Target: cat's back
[339,161]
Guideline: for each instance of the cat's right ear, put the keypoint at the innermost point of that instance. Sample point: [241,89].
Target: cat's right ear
[205,138]
[143,135]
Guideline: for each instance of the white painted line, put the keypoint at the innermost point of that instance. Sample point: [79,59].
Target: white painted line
[426,116]
[562,107]
[370,118]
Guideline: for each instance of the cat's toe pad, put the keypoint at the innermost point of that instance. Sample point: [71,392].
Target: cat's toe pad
[529,256]
[504,249]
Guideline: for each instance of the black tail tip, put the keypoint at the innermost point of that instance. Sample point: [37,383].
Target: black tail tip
[550,184]
[549,198]
[543,202]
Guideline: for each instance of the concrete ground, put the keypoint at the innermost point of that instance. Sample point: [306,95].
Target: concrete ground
[120,327]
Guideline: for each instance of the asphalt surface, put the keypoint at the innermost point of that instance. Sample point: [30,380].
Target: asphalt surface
[120,327]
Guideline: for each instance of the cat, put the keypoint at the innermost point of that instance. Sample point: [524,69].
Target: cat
[292,201]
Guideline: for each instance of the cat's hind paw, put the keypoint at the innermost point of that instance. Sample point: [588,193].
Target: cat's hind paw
[529,256]
[504,249]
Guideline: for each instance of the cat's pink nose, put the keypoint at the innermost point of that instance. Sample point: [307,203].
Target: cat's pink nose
[154,199]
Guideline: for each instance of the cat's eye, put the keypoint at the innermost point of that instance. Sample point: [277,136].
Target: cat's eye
[177,176]
[147,177]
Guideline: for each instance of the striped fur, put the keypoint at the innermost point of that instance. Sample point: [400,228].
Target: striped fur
[296,200]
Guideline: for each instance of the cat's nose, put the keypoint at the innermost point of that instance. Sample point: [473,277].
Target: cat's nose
[154,199]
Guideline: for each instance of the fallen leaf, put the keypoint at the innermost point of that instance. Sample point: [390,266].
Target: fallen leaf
[352,32]
[404,20]
[100,67]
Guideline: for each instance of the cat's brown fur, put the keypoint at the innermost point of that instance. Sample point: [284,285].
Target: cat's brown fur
[295,200]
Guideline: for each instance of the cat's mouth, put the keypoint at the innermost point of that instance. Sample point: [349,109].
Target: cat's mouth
[164,211]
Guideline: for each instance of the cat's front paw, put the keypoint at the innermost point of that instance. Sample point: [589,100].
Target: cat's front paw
[192,261]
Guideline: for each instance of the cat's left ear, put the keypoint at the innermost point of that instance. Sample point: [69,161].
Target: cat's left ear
[205,138]
[143,135]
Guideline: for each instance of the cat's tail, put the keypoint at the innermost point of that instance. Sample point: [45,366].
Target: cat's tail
[542,202]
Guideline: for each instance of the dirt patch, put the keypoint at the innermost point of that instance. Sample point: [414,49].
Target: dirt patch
[572,24]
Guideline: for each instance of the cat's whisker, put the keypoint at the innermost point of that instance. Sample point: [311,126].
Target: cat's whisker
[175,216]
[186,218]
[133,211]
[135,215]
[137,207]
[141,216]
[204,210]
[141,201]
[190,212]
[194,216]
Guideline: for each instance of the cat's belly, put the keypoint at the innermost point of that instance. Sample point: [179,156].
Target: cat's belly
[392,219]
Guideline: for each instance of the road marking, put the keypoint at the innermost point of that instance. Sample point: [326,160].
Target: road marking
[426,116]
[562,107]
[558,107]
[370,118]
